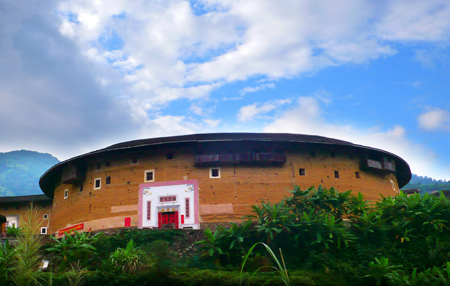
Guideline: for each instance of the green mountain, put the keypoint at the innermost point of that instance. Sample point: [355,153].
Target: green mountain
[20,172]
[427,184]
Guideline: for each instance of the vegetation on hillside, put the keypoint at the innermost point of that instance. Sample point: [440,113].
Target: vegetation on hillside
[20,172]
[427,184]
[314,237]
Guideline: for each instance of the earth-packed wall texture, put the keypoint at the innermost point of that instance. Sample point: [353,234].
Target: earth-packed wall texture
[195,180]
[13,210]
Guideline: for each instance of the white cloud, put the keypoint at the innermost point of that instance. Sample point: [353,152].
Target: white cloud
[249,112]
[434,119]
[256,88]
[307,118]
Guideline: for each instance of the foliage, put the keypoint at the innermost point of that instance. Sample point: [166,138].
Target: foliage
[73,248]
[14,231]
[6,256]
[210,245]
[129,259]
[27,253]
[427,184]
[161,256]
[281,266]
[75,276]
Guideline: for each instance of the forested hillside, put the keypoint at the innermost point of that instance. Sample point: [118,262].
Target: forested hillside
[426,184]
[20,172]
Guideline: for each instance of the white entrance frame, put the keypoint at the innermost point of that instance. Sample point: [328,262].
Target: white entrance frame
[182,189]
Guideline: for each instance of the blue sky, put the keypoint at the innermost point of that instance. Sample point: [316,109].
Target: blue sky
[79,75]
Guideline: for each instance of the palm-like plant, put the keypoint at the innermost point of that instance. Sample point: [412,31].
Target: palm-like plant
[129,258]
[70,249]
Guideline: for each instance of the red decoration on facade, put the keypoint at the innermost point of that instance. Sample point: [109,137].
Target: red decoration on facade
[187,208]
[167,199]
[128,221]
[69,229]
[149,208]
[182,219]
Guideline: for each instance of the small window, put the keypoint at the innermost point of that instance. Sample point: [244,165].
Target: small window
[301,172]
[214,173]
[357,175]
[169,156]
[336,174]
[107,164]
[45,216]
[81,188]
[97,183]
[134,160]
[333,155]
[108,180]
[99,166]
[312,153]
[66,194]
[149,176]
[43,230]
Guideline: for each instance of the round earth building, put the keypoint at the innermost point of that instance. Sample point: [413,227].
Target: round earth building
[193,181]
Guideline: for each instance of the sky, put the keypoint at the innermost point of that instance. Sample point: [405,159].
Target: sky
[80,75]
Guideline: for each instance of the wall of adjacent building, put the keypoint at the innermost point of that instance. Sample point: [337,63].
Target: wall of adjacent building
[18,210]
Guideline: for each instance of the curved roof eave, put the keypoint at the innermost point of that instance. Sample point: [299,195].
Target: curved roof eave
[403,178]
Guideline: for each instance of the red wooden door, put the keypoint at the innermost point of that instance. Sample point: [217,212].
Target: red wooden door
[159,220]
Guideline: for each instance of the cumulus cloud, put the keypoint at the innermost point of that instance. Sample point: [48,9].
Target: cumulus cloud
[434,119]
[249,112]
[79,74]
[308,118]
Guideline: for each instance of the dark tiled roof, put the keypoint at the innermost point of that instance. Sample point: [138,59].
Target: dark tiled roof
[211,137]
[30,198]
[403,171]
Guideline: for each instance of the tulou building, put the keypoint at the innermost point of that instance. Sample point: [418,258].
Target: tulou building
[193,181]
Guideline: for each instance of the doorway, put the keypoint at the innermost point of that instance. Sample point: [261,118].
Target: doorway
[168,220]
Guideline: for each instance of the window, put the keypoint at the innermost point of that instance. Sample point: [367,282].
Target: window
[66,194]
[301,172]
[357,175]
[97,183]
[169,156]
[134,160]
[108,180]
[45,216]
[214,172]
[333,155]
[336,174]
[149,176]
[43,230]
[81,188]
[312,153]
[99,166]
[107,164]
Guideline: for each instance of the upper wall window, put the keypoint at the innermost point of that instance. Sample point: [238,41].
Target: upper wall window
[66,193]
[134,160]
[169,156]
[214,172]
[97,183]
[45,216]
[333,155]
[357,175]
[43,230]
[99,165]
[302,172]
[108,180]
[149,176]
[107,164]
[336,174]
